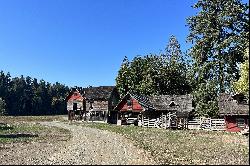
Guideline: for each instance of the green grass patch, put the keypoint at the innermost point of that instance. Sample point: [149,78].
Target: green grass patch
[25,132]
[185,146]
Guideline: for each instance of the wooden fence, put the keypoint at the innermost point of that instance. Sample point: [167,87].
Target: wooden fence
[198,123]
[151,123]
[194,124]
[207,124]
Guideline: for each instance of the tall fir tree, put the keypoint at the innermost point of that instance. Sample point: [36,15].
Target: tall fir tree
[219,36]
[123,77]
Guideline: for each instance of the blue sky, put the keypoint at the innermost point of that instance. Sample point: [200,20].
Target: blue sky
[83,42]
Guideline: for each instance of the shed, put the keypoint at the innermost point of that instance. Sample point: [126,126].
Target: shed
[75,103]
[153,107]
[235,110]
[100,100]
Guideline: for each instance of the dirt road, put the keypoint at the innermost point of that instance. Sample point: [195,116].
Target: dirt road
[86,146]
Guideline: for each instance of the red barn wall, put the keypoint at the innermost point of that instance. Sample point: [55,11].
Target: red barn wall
[77,98]
[231,123]
[136,107]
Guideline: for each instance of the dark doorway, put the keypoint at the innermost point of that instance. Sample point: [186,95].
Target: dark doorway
[74,106]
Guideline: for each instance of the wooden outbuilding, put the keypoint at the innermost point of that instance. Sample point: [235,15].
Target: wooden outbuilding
[175,109]
[99,101]
[130,107]
[235,110]
[75,104]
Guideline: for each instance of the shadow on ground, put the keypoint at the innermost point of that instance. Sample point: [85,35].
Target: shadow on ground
[19,135]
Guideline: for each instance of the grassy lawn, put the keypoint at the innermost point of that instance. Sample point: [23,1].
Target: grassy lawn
[26,129]
[185,146]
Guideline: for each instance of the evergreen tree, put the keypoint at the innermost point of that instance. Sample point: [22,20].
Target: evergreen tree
[25,96]
[123,78]
[2,107]
[174,73]
[219,33]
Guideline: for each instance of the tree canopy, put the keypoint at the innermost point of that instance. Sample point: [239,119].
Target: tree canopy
[219,33]
[155,74]
[242,85]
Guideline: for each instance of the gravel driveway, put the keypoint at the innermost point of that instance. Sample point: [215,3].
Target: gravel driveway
[86,146]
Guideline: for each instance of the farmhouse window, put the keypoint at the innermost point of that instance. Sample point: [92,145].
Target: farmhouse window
[240,122]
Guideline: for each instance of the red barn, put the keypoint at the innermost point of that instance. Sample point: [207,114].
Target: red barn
[235,110]
[75,103]
[135,108]
[128,107]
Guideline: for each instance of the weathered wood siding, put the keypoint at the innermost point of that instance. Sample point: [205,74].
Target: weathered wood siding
[70,104]
[75,97]
[99,105]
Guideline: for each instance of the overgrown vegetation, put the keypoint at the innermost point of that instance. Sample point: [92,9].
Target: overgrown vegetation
[185,146]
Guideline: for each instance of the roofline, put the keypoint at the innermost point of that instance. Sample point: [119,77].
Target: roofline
[121,100]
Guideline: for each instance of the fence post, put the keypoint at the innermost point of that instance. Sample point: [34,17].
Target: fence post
[210,127]
[200,123]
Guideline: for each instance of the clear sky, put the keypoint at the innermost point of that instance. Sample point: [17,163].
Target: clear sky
[83,42]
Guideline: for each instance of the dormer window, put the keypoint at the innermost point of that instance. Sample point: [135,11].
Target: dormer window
[172,104]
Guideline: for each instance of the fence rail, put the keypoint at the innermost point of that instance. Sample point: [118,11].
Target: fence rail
[196,124]
[207,124]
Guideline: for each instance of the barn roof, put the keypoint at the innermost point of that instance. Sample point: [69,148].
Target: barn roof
[142,100]
[181,103]
[233,104]
[98,93]
[172,102]
[74,95]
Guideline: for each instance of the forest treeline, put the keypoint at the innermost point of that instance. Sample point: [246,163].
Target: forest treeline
[28,96]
